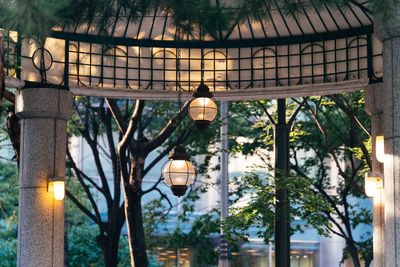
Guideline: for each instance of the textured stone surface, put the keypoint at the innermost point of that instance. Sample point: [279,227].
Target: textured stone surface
[392,202]
[378,229]
[390,28]
[374,107]
[392,86]
[374,101]
[43,114]
[389,33]
[40,229]
[36,161]
[44,103]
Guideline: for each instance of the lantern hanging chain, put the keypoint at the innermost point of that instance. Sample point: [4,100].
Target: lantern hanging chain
[202,65]
[178,69]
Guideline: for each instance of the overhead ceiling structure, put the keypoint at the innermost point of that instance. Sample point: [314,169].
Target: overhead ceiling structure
[321,51]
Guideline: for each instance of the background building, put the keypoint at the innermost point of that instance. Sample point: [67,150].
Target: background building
[308,249]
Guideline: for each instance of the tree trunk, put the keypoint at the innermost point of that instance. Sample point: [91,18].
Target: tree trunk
[368,259]
[110,253]
[354,255]
[134,219]
[109,244]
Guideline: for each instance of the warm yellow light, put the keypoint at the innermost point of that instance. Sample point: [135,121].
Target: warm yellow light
[203,109]
[380,148]
[373,183]
[179,172]
[58,189]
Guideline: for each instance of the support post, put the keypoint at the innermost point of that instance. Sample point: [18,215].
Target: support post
[224,251]
[374,107]
[390,35]
[282,216]
[43,113]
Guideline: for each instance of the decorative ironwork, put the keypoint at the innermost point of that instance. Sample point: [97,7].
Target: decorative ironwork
[227,68]
[329,46]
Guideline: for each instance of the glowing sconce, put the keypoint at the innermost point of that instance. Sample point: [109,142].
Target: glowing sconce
[57,186]
[380,148]
[373,183]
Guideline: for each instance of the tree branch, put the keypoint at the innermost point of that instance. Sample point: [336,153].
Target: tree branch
[167,131]
[86,189]
[82,207]
[106,117]
[132,124]
[118,117]
[266,112]
[154,186]
[355,120]
[96,156]
[160,156]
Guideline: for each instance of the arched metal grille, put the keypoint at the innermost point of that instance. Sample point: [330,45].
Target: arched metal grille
[319,46]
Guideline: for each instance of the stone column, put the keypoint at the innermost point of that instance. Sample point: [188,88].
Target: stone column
[390,36]
[224,174]
[374,107]
[43,113]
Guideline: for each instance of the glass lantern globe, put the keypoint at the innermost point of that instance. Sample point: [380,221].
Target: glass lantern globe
[202,108]
[178,172]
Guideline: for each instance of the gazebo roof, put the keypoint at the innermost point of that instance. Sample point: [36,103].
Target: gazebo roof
[277,27]
[326,48]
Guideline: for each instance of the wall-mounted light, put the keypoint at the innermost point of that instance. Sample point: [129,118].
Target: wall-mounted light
[57,186]
[373,183]
[380,148]
[179,172]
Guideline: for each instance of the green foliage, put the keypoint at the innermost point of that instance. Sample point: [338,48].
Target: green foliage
[335,128]
[83,249]
[37,17]
[73,215]
[8,244]
[8,214]
[90,122]
[329,129]
[254,206]
[250,128]
[198,239]
[33,17]
[82,234]
[383,9]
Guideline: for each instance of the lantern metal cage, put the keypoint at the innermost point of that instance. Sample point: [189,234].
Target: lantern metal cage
[178,172]
[202,108]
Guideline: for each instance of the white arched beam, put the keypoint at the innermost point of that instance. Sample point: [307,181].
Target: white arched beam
[230,95]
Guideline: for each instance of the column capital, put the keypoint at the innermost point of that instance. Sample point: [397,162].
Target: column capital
[374,96]
[390,28]
[43,103]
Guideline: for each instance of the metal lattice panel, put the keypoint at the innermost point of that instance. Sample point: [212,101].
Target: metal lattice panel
[158,25]
[319,46]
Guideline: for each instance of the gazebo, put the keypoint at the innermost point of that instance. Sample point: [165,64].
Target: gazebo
[318,52]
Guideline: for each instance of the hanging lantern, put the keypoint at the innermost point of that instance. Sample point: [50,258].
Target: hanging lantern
[178,171]
[202,108]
